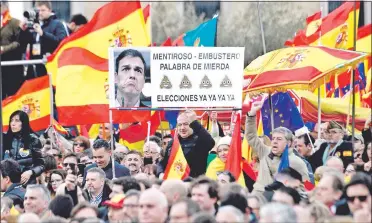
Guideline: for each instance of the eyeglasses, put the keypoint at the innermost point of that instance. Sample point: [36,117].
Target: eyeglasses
[360,198]
[72,165]
[55,181]
[79,144]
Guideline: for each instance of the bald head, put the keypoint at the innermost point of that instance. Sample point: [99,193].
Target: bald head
[28,217]
[229,213]
[153,206]
[336,163]
[174,190]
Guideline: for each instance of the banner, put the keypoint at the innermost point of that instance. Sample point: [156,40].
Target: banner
[197,76]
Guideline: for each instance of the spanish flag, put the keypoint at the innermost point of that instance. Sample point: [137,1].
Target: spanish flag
[82,65]
[33,98]
[335,109]
[363,43]
[147,17]
[177,167]
[59,128]
[113,24]
[133,137]
[337,28]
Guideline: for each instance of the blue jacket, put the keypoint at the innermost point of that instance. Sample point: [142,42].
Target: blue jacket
[53,33]
[16,192]
[120,170]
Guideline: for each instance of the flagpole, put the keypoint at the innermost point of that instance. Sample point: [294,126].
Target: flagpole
[264,50]
[1,116]
[319,102]
[215,35]
[353,79]
[112,144]
[51,106]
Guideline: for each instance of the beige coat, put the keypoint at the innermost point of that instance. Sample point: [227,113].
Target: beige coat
[269,167]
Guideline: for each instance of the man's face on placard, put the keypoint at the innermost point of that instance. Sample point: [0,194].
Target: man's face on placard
[130,76]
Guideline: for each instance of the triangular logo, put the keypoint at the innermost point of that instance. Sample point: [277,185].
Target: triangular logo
[205,82]
[226,82]
[165,83]
[185,83]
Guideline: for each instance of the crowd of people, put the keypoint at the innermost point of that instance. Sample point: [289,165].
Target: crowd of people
[85,180]
[46,177]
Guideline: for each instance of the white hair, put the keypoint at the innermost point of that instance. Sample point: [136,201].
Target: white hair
[286,132]
[43,190]
[278,213]
[158,149]
[231,209]
[158,196]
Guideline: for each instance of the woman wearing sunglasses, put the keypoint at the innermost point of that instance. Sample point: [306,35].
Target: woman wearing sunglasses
[80,144]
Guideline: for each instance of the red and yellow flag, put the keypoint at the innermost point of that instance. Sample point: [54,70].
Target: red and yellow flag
[177,167]
[337,28]
[147,17]
[82,66]
[294,67]
[114,24]
[59,128]
[33,98]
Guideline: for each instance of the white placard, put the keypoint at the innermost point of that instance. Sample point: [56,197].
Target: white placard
[197,76]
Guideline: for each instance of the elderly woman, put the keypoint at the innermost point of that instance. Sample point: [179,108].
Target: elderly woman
[151,152]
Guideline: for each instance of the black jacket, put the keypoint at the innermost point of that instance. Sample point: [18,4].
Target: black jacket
[120,170]
[28,159]
[105,195]
[344,151]
[16,192]
[196,149]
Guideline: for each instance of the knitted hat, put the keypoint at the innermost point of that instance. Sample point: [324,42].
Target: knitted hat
[226,140]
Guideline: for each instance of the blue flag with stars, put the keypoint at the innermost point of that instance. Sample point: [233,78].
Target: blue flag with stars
[285,113]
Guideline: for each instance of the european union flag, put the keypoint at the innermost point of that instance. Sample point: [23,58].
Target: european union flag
[284,160]
[171,117]
[285,112]
[203,35]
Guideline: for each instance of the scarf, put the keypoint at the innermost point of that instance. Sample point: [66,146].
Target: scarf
[5,18]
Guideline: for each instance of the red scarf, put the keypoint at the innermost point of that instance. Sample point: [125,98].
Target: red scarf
[5,18]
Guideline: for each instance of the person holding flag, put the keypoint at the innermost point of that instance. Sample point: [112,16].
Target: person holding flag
[275,158]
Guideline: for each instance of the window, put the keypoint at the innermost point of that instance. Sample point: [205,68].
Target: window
[332,5]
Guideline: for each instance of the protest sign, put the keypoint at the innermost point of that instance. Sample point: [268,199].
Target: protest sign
[197,76]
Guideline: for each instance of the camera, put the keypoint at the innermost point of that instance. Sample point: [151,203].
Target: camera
[32,18]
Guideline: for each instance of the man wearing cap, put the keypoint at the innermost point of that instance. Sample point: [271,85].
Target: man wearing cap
[115,209]
[335,146]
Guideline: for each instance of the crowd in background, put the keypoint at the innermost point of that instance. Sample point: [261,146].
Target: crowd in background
[73,181]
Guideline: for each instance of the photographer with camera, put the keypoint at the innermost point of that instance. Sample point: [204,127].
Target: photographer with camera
[48,32]
[12,47]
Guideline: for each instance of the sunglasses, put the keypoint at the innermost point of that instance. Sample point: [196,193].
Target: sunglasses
[358,156]
[72,165]
[360,198]
[79,144]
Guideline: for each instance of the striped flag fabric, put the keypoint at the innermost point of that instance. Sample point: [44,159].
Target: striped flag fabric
[59,128]
[177,167]
[147,17]
[294,67]
[81,65]
[33,98]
